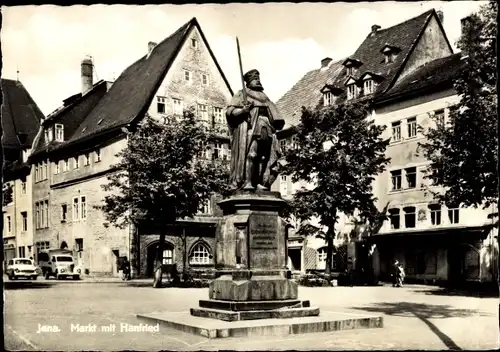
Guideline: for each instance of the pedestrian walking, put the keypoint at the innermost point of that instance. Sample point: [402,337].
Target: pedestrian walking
[350,270]
[125,268]
[394,274]
[400,275]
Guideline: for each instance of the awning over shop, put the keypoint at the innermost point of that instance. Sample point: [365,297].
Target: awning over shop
[456,233]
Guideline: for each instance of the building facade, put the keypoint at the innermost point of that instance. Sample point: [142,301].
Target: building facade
[80,141]
[406,72]
[21,119]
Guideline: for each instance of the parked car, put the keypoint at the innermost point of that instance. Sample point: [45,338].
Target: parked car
[62,266]
[58,263]
[22,267]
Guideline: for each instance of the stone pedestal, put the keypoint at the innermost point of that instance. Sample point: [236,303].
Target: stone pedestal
[252,282]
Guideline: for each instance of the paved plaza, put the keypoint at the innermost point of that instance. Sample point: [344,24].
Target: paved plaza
[415,317]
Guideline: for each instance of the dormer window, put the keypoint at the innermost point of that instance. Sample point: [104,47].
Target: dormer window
[352,91]
[368,86]
[59,132]
[327,98]
[351,66]
[390,53]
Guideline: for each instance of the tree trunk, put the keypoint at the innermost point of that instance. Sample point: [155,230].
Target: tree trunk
[329,254]
[158,273]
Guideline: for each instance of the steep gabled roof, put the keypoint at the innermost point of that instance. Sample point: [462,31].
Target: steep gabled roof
[432,74]
[21,117]
[306,92]
[71,115]
[133,91]
[403,36]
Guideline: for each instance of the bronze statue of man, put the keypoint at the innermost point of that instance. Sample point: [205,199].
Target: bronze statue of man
[253,120]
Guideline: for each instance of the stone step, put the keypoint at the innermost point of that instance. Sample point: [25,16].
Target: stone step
[210,328]
[252,305]
[254,314]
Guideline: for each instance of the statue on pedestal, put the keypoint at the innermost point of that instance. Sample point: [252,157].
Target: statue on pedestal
[253,120]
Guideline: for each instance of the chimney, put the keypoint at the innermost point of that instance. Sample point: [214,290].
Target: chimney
[87,75]
[465,22]
[440,15]
[375,28]
[326,61]
[151,46]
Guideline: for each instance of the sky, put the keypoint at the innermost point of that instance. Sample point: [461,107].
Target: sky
[282,40]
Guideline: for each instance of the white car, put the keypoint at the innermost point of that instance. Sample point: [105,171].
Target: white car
[63,266]
[22,267]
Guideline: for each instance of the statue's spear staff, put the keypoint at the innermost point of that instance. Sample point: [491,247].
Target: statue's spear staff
[245,97]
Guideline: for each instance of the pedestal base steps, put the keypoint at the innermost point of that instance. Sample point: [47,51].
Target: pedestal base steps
[215,328]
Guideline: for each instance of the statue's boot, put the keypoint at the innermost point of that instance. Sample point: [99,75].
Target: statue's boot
[248,186]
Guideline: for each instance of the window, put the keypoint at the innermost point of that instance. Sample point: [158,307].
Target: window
[284,184]
[199,254]
[327,99]
[22,252]
[352,91]
[410,217]
[439,117]
[206,207]
[369,87]
[283,144]
[294,144]
[97,156]
[394,218]
[194,43]
[9,224]
[160,105]
[454,215]
[66,165]
[23,187]
[42,214]
[389,58]
[76,162]
[178,108]
[435,214]
[187,76]
[46,212]
[411,125]
[45,170]
[57,169]
[64,212]
[396,180]
[349,71]
[59,132]
[37,216]
[79,208]
[202,112]
[83,207]
[411,177]
[24,216]
[396,131]
[79,244]
[49,134]
[218,115]
[218,151]
[322,255]
[204,79]
[76,209]
[86,159]
[168,256]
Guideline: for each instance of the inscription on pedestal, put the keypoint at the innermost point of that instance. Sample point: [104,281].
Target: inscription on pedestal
[263,234]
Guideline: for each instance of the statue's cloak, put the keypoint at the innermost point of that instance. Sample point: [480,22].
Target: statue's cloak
[265,113]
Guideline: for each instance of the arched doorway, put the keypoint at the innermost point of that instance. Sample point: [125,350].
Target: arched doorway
[168,256]
[64,245]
